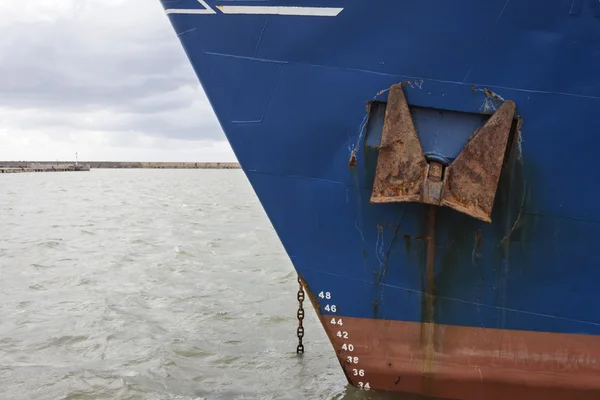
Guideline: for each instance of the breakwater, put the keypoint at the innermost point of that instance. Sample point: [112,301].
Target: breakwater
[123,164]
[15,168]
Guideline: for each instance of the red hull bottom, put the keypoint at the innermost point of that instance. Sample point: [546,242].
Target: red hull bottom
[465,363]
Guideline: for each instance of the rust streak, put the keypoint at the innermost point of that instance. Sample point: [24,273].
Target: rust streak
[407,243]
[428,324]
[430,285]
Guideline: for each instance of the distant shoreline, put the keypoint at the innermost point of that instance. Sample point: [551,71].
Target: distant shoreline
[125,164]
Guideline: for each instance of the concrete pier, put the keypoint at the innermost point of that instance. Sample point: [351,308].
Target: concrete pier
[28,166]
[41,167]
[164,165]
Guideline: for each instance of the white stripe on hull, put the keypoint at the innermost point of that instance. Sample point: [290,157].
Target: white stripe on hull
[279,10]
[261,10]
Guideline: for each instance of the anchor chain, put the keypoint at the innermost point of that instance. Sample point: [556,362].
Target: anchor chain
[300,315]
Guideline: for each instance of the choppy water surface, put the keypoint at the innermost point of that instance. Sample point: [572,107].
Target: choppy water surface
[151,284]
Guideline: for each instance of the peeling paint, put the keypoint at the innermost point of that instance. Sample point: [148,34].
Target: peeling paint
[383,265]
[518,158]
[352,162]
[491,101]
[362,130]
[361,133]
[517,223]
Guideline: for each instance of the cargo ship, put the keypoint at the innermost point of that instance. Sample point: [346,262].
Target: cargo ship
[428,168]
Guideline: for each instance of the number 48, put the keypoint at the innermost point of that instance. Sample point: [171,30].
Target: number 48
[325,295]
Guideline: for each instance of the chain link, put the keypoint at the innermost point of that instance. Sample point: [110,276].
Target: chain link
[300,316]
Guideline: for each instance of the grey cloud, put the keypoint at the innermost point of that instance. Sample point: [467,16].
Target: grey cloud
[67,72]
[123,63]
[177,124]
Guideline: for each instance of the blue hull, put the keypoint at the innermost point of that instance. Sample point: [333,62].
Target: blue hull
[290,91]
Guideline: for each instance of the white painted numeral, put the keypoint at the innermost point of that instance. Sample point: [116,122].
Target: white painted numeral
[342,334]
[365,386]
[359,372]
[352,360]
[348,347]
[326,295]
[331,308]
[338,322]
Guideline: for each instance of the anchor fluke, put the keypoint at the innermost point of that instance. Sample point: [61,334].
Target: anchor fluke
[467,185]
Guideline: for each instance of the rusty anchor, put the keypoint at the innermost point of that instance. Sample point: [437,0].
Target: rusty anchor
[467,185]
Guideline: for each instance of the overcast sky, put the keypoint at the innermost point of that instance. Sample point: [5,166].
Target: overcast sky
[105,78]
